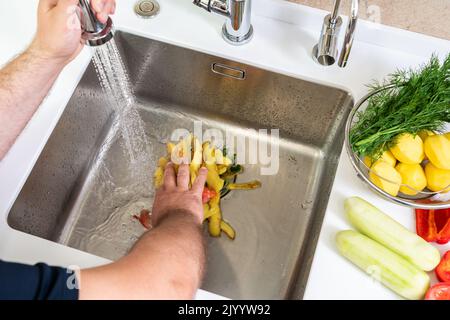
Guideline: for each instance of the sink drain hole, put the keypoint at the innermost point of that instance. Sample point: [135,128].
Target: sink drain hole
[147,8]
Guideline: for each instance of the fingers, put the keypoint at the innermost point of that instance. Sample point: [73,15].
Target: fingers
[98,5]
[200,181]
[169,181]
[110,6]
[103,9]
[183,177]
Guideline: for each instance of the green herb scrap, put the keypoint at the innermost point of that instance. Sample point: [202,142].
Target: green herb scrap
[419,100]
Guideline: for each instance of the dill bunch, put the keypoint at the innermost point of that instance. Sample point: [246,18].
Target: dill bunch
[418,100]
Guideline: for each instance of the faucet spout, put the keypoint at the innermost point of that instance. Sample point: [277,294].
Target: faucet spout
[237,29]
[325,52]
[349,34]
[94,33]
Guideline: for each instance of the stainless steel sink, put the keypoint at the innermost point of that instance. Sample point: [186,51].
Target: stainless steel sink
[84,196]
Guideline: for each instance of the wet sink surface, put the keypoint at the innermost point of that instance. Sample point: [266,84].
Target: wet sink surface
[82,195]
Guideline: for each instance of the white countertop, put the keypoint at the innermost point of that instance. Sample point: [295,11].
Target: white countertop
[284,36]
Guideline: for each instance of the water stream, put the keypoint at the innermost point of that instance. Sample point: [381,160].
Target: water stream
[125,184]
[115,81]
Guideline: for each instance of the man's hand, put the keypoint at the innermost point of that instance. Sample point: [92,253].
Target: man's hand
[58,38]
[175,196]
[168,262]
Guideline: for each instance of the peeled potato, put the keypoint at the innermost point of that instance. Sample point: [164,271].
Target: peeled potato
[447,135]
[408,149]
[412,176]
[437,179]
[385,177]
[367,161]
[387,157]
[437,149]
[424,134]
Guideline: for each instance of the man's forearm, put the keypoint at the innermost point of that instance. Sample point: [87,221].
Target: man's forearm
[24,83]
[166,263]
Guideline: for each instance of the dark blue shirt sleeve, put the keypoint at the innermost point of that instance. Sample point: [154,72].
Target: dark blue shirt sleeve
[38,282]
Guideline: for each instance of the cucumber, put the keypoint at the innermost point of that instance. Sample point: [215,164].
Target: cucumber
[386,266]
[378,226]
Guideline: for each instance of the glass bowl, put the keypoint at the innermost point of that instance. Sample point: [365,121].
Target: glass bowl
[424,199]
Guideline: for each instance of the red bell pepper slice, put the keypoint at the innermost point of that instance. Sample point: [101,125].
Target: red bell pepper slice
[440,291]
[443,268]
[433,225]
[426,225]
[442,218]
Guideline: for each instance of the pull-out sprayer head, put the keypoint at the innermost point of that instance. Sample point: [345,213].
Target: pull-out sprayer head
[94,32]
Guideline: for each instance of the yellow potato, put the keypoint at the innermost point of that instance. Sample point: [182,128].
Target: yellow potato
[447,135]
[227,229]
[385,177]
[408,149]
[437,179]
[437,149]
[412,176]
[367,161]
[387,157]
[424,134]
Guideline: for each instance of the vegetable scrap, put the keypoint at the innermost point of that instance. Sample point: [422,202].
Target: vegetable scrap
[221,179]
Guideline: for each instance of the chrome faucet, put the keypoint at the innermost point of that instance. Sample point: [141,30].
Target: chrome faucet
[94,33]
[238,29]
[325,52]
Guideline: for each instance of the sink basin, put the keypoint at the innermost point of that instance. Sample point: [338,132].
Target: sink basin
[83,195]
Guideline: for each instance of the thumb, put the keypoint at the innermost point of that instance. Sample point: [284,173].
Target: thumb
[98,5]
